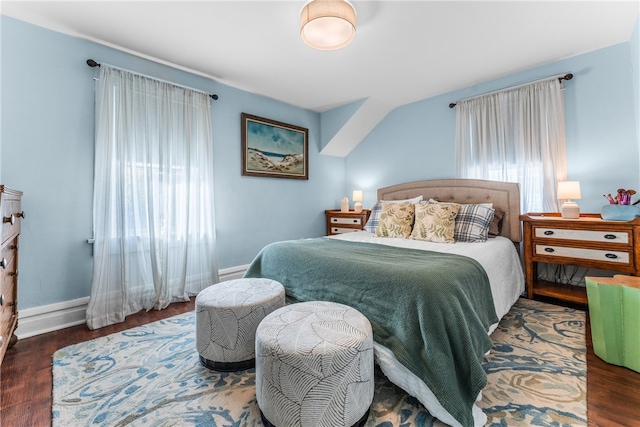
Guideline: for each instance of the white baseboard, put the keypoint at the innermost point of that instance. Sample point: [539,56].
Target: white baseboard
[52,317]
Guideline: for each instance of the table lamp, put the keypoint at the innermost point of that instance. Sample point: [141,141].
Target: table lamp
[568,190]
[357,198]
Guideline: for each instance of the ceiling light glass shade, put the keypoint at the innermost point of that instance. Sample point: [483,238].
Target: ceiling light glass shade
[327,24]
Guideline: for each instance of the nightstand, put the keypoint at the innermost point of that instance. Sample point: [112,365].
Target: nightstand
[346,222]
[588,241]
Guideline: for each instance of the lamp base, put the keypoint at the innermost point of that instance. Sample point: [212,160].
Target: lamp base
[357,207]
[570,210]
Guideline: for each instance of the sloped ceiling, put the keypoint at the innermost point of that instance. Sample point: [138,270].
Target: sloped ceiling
[404,51]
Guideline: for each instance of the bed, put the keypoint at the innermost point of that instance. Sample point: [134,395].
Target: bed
[432,305]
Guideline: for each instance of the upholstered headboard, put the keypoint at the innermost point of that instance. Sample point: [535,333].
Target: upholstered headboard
[504,196]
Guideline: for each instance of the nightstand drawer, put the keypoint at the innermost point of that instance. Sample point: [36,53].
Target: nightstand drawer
[583,254]
[620,237]
[339,230]
[354,221]
[339,222]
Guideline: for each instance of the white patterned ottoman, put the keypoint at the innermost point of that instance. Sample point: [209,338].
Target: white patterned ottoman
[227,315]
[314,366]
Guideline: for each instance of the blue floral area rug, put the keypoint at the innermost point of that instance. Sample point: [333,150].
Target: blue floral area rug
[151,376]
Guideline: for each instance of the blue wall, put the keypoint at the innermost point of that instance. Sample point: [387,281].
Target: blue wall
[47,139]
[634,48]
[416,141]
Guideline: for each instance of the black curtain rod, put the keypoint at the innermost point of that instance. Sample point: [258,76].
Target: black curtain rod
[91,63]
[567,77]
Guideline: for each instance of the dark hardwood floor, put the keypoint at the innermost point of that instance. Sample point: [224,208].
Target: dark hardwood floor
[613,392]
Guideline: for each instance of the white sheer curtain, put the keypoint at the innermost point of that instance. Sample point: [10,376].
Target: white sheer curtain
[516,135]
[153,196]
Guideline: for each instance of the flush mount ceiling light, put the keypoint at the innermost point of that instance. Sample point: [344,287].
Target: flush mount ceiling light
[328,24]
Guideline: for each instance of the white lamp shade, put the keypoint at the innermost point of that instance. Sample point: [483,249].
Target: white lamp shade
[357,198]
[327,24]
[568,190]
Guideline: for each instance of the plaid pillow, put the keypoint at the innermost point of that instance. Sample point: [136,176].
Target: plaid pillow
[472,223]
[374,217]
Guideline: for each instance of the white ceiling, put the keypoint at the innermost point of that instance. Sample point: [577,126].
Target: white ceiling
[403,51]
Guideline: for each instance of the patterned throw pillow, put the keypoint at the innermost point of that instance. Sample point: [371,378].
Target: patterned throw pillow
[472,223]
[396,220]
[374,217]
[435,222]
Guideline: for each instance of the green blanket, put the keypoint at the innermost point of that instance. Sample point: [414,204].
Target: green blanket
[433,310]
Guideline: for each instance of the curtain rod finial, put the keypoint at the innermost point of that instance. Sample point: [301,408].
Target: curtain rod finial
[91,63]
[453,104]
[566,77]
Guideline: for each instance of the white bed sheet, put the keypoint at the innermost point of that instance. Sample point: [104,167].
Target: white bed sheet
[500,260]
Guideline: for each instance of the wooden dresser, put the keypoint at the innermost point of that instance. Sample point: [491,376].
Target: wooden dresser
[346,222]
[12,215]
[588,241]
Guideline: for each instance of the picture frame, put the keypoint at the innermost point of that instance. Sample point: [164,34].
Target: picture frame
[274,149]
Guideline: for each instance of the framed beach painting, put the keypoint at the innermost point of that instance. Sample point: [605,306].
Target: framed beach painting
[274,149]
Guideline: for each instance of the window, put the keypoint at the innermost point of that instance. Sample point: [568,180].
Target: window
[153,196]
[515,135]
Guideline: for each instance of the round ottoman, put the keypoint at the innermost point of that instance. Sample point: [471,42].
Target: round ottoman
[314,366]
[227,315]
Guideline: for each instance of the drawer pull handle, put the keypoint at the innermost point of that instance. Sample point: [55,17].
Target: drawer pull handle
[548,233]
[611,256]
[549,249]
[610,236]
[355,221]
[4,263]
[20,214]
[2,299]
[10,219]
[334,219]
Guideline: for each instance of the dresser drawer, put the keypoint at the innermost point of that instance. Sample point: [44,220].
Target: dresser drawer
[619,257]
[620,237]
[8,253]
[354,221]
[8,295]
[11,214]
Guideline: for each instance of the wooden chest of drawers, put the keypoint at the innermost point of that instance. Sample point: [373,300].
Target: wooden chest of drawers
[12,214]
[346,222]
[588,241]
